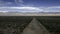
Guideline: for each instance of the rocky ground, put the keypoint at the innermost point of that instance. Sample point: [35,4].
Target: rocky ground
[17,24]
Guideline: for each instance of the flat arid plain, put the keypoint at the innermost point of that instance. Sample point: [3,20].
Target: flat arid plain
[18,23]
[29,14]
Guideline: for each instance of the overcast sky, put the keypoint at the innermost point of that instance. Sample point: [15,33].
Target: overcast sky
[41,5]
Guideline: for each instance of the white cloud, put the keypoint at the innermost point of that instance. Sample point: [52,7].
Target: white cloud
[52,9]
[3,11]
[27,8]
[22,9]
[30,9]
